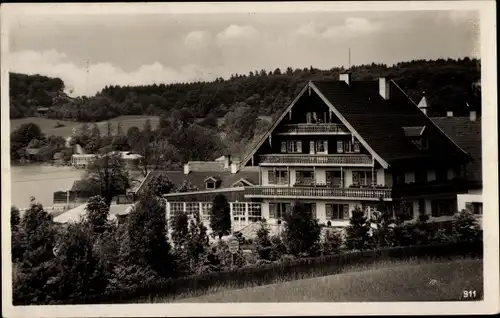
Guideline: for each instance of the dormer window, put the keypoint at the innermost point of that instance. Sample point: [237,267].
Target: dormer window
[417,137]
[211,183]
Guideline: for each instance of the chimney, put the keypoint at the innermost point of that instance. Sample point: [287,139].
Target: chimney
[346,77]
[234,168]
[383,87]
[449,113]
[186,168]
[227,161]
[472,115]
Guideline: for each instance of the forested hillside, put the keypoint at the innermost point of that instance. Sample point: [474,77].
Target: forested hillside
[447,85]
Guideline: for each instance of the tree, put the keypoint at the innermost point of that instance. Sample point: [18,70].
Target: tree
[119,129]
[198,242]
[179,225]
[109,174]
[383,220]
[263,243]
[187,187]
[220,218]
[97,214]
[133,135]
[358,231]
[16,243]
[36,268]
[160,184]
[301,231]
[146,242]
[22,136]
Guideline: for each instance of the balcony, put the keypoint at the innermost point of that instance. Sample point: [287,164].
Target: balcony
[312,129]
[432,187]
[355,160]
[320,192]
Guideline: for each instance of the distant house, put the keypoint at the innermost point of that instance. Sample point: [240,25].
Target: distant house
[131,160]
[82,160]
[339,145]
[466,132]
[31,153]
[42,111]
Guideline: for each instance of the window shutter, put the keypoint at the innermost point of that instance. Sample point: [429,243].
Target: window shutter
[283,146]
[308,118]
[272,210]
[271,176]
[340,146]
[311,147]
[346,211]
[355,177]
[325,143]
[313,208]
[469,207]
[375,177]
[299,146]
[298,177]
[356,146]
[329,211]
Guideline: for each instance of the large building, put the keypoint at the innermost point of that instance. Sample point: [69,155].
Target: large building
[339,145]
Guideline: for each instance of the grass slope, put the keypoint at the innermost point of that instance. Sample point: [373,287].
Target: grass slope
[48,126]
[401,281]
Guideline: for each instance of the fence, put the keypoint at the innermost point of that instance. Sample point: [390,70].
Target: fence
[319,266]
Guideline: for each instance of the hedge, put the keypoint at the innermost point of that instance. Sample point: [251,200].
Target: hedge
[265,274]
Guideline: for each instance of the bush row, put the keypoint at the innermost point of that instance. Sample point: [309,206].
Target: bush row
[285,270]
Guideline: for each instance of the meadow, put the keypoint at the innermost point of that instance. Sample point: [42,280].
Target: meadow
[410,280]
[50,126]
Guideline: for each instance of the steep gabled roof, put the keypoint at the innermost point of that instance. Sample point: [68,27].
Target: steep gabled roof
[377,123]
[467,134]
[414,131]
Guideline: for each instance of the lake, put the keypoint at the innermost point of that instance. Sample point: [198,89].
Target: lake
[40,181]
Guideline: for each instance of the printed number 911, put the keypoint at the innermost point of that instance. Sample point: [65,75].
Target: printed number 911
[469,294]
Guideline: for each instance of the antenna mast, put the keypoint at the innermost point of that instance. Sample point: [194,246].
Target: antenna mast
[349,65]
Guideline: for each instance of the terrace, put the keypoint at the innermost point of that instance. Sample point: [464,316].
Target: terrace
[355,160]
[316,128]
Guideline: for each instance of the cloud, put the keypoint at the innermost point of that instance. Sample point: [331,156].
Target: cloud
[235,35]
[308,30]
[353,27]
[197,39]
[87,80]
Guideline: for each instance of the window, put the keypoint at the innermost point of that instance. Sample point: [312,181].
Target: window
[431,175]
[441,175]
[311,208]
[206,207]
[283,146]
[442,208]
[239,211]
[294,146]
[311,118]
[176,208]
[340,146]
[192,208]
[277,210]
[210,185]
[363,178]
[254,212]
[337,211]
[420,176]
[334,179]
[278,177]
[356,146]
[474,207]
[304,177]
[321,146]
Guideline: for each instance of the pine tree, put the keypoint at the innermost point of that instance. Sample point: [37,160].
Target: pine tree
[179,225]
[358,231]
[220,218]
[263,243]
[97,214]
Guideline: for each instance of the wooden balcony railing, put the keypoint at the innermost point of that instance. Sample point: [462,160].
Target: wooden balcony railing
[340,159]
[314,128]
[297,192]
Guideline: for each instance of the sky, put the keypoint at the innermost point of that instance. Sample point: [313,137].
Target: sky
[90,51]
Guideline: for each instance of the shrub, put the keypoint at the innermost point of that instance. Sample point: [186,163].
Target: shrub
[220,218]
[331,243]
[301,232]
[263,243]
[466,228]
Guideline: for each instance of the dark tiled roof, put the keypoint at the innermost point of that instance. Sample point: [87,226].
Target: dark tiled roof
[380,121]
[197,178]
[467,134]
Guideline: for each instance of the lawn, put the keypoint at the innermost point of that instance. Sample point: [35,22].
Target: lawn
[387,281]
[48,126]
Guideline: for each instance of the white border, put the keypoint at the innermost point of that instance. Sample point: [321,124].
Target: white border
[490,166]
